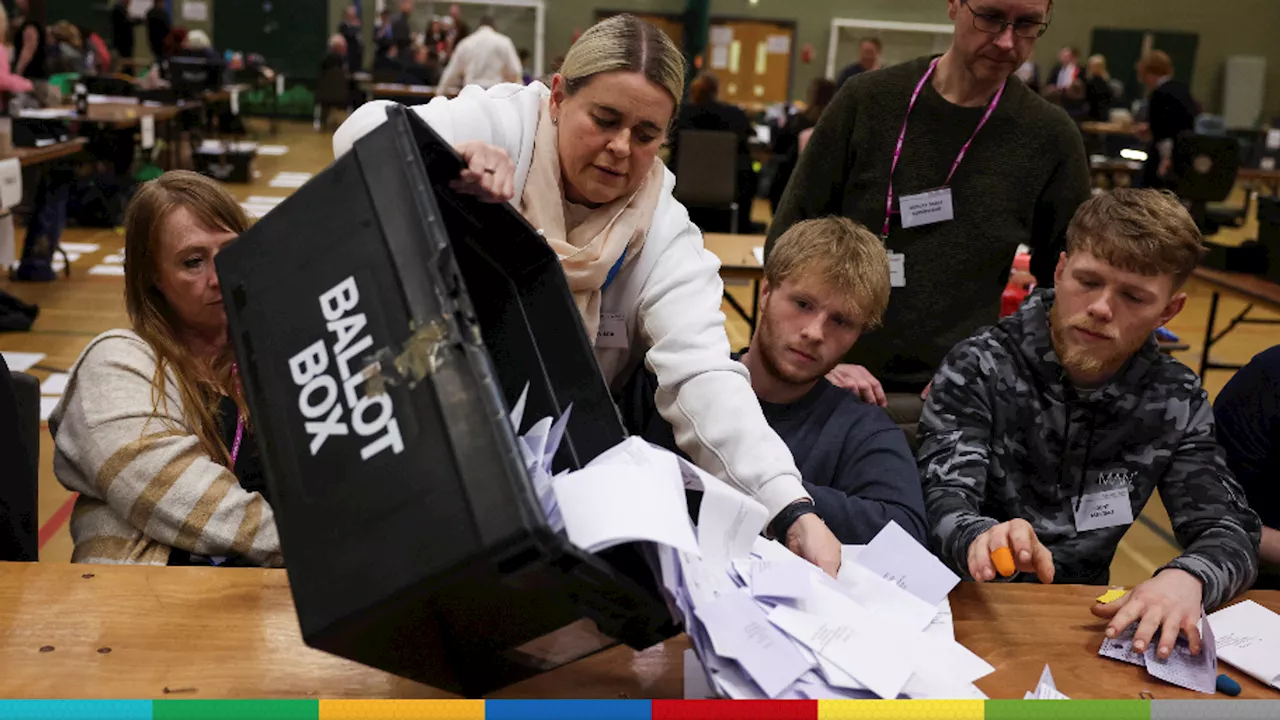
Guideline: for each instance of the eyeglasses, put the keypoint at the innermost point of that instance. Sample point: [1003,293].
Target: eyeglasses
[996,24]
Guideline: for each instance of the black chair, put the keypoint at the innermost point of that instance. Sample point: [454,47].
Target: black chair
[333,92]
[20,453]
[707,172]
[1206,167]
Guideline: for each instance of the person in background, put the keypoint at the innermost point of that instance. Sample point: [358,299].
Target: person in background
[382,34]
[423,69]
[1029,73]
[350,29]
[438,38]
[1247,412]
[785,150]
[1171,111]
[174,42]
[66,50]
[10,82]
[1098,91]
[526,65]
[485,58]
[122,36]
[97,54]
[30,43]
[153,431]
[585,173]
[458,28]
[704,111]
[159,25]
[197,44]
[1048,433]
[1012,167]
[825,285]
[401,34]
[869,51]
[1066,73]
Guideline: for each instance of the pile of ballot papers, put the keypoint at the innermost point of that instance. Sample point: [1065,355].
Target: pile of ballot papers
[764,623]
[1194,672]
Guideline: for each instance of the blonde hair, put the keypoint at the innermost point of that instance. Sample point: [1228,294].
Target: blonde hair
[1147,232]
[1156,62]
[201,385]
[625,42]
[63,31]
[844,255]
[1101,63]
[198,40]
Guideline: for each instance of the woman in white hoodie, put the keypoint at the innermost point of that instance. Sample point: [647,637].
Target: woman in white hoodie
[578,161]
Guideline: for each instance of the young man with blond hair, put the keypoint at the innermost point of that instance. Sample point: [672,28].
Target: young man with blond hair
[826,283]
[1047,433]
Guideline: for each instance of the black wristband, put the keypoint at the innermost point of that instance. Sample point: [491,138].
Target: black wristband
[788,516]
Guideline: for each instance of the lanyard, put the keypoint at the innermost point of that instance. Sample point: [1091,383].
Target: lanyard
[897,151]
[235,447]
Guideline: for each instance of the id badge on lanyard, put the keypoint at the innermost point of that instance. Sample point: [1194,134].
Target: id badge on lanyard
[931,206]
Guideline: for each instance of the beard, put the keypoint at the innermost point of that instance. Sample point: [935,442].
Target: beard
[772,349]
[1083,359]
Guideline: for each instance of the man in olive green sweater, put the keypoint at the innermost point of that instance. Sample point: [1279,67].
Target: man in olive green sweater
[984,165]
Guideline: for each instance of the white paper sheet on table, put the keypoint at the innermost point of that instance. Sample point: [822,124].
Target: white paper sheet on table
[21,361]
[1248,636]
[55,384]
[1046,689]
[758,252]
[116,270]
[897,557]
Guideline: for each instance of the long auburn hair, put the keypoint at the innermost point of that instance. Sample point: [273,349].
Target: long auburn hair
[201,382]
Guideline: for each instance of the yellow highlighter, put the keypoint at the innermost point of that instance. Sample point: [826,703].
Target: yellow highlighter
[1112,595]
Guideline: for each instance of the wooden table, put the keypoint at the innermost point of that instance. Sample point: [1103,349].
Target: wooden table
[84,631]
[29,156]
[1267,178]
[1106,128]
[1252,289]
[403,93]
[738,262]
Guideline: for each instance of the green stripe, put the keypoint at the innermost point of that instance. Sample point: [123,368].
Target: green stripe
[235,709]
[1068,709]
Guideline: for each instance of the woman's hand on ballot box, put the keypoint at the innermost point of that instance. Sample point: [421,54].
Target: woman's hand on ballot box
[489,175]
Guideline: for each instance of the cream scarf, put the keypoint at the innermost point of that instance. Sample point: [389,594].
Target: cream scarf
[589,251]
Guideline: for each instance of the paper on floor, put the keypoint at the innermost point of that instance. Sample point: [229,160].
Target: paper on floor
[78,247]
[47,404]
[55,384]
[1248,637]
[116,270]
[21,361]
[272,150]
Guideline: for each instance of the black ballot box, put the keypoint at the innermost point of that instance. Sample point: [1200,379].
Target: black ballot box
[382,323]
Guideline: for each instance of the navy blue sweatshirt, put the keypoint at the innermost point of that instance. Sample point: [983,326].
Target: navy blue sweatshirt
[854,461]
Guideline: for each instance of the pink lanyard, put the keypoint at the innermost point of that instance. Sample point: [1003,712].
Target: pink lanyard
[902,136]
[235,447]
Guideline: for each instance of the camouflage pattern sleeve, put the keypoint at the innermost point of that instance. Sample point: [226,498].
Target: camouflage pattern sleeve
[955,450]
[1210,517]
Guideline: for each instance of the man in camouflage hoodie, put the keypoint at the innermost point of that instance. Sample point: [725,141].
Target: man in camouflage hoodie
[1048,432]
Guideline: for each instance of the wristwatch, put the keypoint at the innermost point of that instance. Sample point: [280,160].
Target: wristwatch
[787,517]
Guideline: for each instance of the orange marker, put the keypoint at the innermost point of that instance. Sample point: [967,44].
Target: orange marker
[1003,559]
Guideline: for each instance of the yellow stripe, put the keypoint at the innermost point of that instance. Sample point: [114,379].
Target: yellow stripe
[402,709]
[901,709]
[121,458]
[249,526]
[145,505]
[193,525]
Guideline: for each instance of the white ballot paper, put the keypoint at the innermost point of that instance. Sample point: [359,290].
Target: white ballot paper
[1248,637]
[1046,689]
[763,622]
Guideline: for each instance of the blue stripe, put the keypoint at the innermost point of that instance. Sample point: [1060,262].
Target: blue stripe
[75,709]
[567,710]
[613,271]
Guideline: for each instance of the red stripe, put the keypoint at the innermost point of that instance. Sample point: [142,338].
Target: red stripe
[734,709]
[59,518]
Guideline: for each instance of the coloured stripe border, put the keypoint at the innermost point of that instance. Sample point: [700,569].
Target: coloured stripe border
[638,710]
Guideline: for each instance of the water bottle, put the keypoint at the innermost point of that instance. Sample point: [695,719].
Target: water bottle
[82,99]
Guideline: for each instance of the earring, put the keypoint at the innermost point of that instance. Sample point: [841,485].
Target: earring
[555,121]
